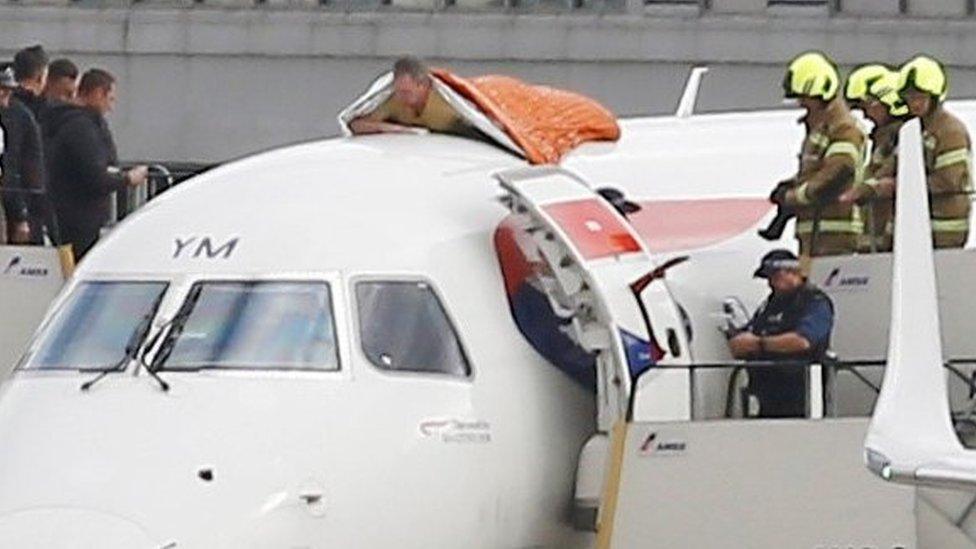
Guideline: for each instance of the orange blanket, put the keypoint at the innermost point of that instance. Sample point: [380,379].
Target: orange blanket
[545,122]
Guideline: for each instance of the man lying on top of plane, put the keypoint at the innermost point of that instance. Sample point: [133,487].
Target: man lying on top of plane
[415,103]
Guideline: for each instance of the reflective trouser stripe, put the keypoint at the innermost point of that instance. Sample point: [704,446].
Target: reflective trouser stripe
[950,225]
[844,147]
[952,157]
[832,226]
[939,226]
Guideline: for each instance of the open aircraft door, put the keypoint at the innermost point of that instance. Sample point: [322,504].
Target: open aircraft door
[597,268]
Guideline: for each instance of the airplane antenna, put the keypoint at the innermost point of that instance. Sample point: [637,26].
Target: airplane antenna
[686,107]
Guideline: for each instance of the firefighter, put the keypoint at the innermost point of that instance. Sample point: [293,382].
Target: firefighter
[874,90]
[923,86]
[831,160]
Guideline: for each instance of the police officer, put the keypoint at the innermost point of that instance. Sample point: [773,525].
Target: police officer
[794,323]
[831,160]
[874,90]
[923,85]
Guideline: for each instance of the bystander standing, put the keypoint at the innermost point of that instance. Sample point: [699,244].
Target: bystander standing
[23,169]
[62,81]
[83,161]
[30,70]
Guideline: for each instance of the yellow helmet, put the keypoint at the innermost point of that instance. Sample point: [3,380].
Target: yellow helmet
[885,89]
[924,74]
[860,80]
[811,75]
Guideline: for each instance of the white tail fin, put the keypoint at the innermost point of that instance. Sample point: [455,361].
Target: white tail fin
[686,107]
[911,438]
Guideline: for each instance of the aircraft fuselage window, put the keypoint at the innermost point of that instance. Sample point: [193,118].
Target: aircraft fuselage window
[95,324]
[253,325]
[404,327]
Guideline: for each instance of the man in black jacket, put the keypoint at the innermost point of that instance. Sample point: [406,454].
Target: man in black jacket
[24,196]
[83,162]
[62,82]
[30,70]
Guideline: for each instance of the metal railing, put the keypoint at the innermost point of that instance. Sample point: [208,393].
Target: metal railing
[161,177]
[829,370]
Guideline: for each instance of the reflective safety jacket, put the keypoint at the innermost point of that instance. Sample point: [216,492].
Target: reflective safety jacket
[878,205]
[831,161]
[948,169]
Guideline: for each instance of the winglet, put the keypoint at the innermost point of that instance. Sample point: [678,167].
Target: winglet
[911,438]
[686,107]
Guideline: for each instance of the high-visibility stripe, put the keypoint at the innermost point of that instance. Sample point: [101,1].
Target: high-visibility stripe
[955,156]
[844,147]
[939,226]
[802,198]
[832,226]
[950,225]
[819,139]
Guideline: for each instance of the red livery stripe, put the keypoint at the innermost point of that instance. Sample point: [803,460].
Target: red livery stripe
[593,228]
[677,225]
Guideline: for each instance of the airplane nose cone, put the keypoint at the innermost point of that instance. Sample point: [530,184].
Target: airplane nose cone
[58,528]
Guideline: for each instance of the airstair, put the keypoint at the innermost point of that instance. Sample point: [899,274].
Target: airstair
[664,470]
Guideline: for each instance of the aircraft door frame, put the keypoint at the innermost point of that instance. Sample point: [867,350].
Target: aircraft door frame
[592,255]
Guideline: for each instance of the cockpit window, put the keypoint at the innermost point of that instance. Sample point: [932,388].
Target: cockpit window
[403,327]
[253,325]
[96,324]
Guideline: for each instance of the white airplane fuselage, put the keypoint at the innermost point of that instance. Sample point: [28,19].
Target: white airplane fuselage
[361,456]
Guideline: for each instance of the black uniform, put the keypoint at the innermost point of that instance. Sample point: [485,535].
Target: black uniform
[82,164]
[809,312]
[23,177]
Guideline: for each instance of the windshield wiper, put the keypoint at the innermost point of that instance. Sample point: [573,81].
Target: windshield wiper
[176,328]
[142,360]
[132,348]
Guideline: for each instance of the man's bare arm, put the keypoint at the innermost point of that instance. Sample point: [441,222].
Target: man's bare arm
[744,345]
[364,126]
[786,344]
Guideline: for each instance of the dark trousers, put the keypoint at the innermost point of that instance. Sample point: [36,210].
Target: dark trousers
[81,236]
[781,391]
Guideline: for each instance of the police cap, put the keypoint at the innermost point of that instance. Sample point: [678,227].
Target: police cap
[776,260]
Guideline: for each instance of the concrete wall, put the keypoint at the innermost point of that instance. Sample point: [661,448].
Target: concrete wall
[209,84]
